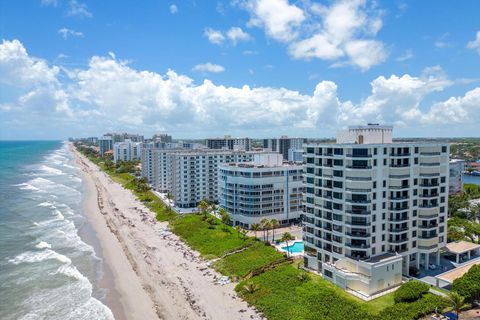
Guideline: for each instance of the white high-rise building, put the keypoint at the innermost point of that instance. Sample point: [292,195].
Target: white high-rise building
[283,144]
[229,143]
[127,151]
[374,208]
[107,141]
[457,167]
[189,175]
[264,188]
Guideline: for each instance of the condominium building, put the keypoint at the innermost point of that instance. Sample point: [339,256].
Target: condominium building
[264,188]
[295,155]
[374,208]
[227,142]
[127,151]
[189,175]
[457,167]
[162,137]
[283,144]
[107,141]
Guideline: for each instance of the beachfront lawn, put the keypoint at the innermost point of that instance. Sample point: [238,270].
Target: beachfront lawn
[282,294]
[211,243]
[256,256]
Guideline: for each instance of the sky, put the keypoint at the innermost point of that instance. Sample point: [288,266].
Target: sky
[256,68]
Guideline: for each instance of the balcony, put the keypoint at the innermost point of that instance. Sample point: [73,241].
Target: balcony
[398,198]
[398,219]
[399,187]
[429,154]
[365,201]
[427,164]
[396,230]
[428,226]
[358,234]
[358,178]
[359,155]
[358,256]
[361,246]
[360,212]
[428,236]
[399,176]
[359,167]
[358,223]
[399,154]
[428,185]
[428,206]
[434,195]
[358,190]
[398,208]
[391,240]
[400,165]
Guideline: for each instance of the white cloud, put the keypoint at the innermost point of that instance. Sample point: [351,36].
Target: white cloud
[342,32]
[108,94]
[208,67]
[279,18]
[475,44]
[214,36]
[76,8]
[407,55]
[65,32]
[173,9]
[236,34]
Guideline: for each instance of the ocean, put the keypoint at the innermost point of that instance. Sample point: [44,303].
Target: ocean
[471,179]
[46,270]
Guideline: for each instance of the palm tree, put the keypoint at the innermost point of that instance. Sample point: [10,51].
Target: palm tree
[225,217]
[239,230]
[255,227]
[274,223]
[203,208]
[285,238]
[457,302]
[244,234]
[251,287]
[263,224]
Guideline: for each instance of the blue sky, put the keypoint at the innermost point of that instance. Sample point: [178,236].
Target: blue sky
[80,68]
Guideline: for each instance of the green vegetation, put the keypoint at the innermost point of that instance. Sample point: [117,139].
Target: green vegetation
[411,291]
[468,286]
[256,256]
[463,224]
[406,311]
[468,150]
[195,231]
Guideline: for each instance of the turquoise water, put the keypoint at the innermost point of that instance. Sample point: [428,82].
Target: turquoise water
[296,247]
[46,270]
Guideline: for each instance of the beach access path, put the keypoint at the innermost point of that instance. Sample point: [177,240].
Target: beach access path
[156,275]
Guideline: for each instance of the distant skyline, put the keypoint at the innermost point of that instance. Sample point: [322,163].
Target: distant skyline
[256,68]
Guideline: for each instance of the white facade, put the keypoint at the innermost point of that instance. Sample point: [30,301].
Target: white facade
[189,175]
[456,177]
[127,151]
[295,155]
[365,201]
[107,141]
[264,188]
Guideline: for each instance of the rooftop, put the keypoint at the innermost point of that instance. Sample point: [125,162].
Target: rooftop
[461,246]
[456,273]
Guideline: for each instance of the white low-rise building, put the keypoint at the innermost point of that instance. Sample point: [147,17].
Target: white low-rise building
[263,188]
[127,151]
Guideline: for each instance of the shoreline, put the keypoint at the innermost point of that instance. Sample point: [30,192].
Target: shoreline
[156,276]
[126,299]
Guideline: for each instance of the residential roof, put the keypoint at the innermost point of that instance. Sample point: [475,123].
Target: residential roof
[456,273]
[461,246]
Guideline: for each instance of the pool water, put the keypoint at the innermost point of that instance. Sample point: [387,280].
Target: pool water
[296,247]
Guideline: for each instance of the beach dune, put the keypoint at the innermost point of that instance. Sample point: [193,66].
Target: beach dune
[156,276]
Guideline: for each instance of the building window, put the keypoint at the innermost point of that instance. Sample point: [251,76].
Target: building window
[444,149]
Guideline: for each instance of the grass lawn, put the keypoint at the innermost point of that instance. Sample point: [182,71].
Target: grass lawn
[210,243]
[255,256]
[377,305]
[282,295]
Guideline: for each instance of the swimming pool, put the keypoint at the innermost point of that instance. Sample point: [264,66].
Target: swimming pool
[296,247]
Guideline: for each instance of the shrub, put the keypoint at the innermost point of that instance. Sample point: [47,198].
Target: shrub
[410,291]
[468,286]
[414,310]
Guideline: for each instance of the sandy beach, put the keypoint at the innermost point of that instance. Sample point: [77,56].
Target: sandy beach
[156,276]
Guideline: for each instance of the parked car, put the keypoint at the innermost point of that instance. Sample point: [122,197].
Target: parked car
[431,266]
